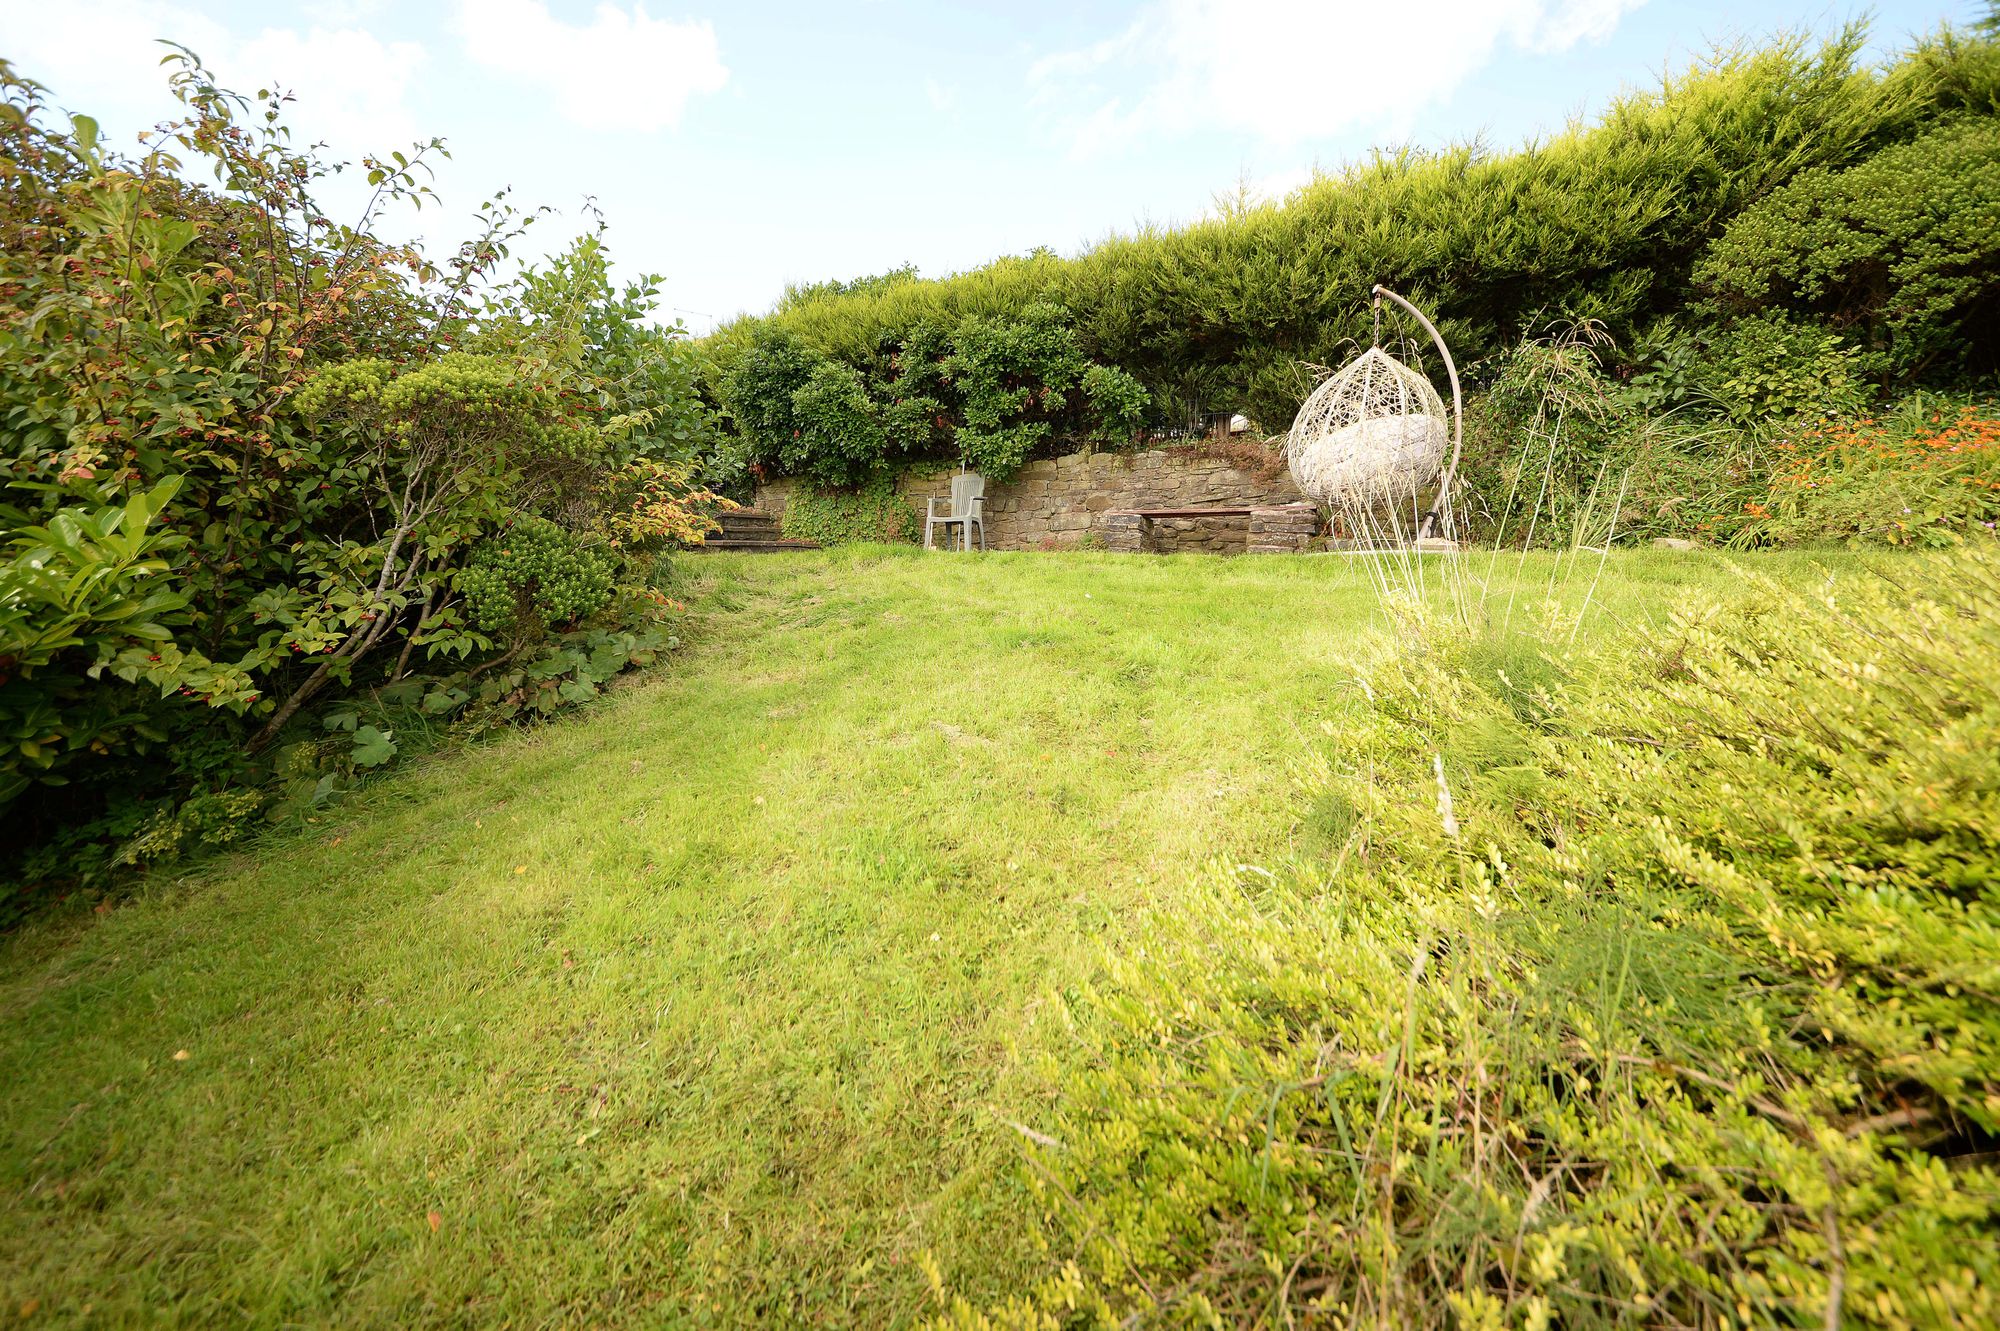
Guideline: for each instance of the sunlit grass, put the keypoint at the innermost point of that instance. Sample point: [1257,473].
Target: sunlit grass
[716,1001]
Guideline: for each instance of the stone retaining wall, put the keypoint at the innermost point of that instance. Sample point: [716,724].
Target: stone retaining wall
[1056,502]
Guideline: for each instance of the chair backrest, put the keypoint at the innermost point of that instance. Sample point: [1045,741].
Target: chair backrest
[966,487]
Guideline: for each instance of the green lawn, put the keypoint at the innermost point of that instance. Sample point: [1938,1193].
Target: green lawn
[715,1001]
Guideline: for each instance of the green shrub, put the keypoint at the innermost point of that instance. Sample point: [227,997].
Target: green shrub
[758,393]
[1118,401]
[251,450]
[870,512]
[1759,368]
[1667,999]
[1902,249]
[92,588]
[989,393]
[208,820]
[1014,378]
[534,574]
[840,439]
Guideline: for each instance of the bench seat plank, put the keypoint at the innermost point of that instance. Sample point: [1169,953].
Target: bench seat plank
[1187,512]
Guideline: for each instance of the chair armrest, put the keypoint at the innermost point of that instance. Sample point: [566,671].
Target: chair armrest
[930,506]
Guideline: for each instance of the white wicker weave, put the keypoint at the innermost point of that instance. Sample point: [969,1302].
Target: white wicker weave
[1376,431]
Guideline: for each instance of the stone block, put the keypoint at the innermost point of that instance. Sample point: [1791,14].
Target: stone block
[1123,531]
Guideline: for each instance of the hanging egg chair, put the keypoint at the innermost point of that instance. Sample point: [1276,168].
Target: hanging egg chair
[1374,431]
[1375,434]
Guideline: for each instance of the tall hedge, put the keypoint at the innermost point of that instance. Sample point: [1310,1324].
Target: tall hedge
[1604,220]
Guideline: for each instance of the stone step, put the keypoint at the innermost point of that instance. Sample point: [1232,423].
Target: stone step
[754,544]
[748,529]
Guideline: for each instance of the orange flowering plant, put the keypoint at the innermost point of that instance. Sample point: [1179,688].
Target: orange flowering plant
[1927,474]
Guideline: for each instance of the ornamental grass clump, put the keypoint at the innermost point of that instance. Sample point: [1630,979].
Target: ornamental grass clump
[1660,989]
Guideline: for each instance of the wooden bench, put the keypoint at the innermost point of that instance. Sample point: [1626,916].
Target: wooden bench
[1274,528]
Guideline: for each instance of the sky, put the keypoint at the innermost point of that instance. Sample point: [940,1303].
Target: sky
[736,148]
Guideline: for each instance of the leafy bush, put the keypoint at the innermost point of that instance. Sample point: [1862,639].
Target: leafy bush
[840,439]
[649,506]
[758,394]
[251,451]
[990,393]
[576,668]
[1659,990]
[1013,378]
[534,573]
[1119,402]
[1758,368]
[1902,250]
[90,588]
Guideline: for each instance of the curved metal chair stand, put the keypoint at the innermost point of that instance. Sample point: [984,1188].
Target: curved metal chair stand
[1442,504]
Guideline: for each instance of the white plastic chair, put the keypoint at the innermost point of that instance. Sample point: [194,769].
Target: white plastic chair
[968,499]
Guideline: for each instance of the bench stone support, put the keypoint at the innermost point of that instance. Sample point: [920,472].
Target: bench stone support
[1286,529]
[1124,532]
[1280,529]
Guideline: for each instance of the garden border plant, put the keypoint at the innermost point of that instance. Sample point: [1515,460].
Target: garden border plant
[263,463]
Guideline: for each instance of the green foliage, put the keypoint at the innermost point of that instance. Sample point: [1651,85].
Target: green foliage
[251,450]
[796,294]
[574,669]
[990,393]
[1668,994]
[840,438]
[758,391]
[209,820]
[1118,401]
[639,377]
[1757,368]
[1603,221]
[533,574]
[1925,474]
[90,586]
[870,512]
[1902,250]
[1777,369]
[1014,378]
[1751,433]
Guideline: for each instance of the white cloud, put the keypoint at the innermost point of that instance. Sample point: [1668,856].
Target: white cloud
[941,98]
[350,85]
[103,57]
[1277,186]
[623,71]
[1292,70]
